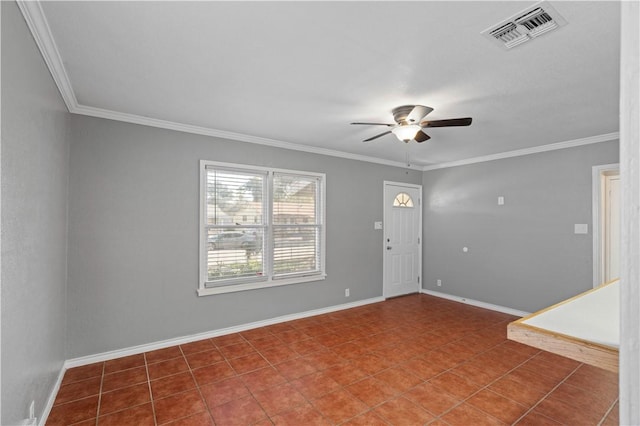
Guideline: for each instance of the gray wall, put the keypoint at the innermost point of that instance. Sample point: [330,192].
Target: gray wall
[523,255]
[133,235]
[35,161]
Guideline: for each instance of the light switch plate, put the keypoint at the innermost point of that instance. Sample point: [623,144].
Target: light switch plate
[580,228]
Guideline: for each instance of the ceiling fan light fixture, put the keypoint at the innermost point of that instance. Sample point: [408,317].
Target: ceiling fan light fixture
[407,132]
[409,122]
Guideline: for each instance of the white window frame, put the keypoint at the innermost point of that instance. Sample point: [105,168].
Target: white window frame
[270,281]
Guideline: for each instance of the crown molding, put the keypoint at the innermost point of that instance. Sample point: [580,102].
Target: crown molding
[206,131]
[527,151]
[39,27]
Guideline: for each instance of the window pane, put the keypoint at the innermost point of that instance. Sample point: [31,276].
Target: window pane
[295,249]
[403,200]
[234,198]
[294,199]
[234,253]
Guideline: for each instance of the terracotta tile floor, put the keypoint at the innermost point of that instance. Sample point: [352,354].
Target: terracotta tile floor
[408,361]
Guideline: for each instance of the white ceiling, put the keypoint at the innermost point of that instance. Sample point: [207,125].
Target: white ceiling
[300,72]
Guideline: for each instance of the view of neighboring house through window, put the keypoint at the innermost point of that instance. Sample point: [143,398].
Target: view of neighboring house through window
[260,227]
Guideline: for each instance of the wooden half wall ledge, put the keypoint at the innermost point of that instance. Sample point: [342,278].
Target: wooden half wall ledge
[585,328]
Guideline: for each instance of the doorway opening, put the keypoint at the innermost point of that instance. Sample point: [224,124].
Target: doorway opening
[606,223]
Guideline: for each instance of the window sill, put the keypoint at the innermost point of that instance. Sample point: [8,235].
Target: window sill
[208,291]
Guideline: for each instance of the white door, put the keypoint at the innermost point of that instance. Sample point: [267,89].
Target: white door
[402,234]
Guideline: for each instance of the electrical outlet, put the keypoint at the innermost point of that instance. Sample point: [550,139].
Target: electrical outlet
[439,283]
[346,292]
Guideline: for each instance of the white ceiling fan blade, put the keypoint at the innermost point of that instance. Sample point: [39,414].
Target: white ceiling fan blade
[418,113]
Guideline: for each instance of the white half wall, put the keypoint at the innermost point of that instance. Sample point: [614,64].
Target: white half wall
[630,175]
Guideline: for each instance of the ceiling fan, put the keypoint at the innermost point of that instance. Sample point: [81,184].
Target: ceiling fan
[410,122]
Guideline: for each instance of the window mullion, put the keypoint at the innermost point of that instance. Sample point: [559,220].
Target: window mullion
[268,209]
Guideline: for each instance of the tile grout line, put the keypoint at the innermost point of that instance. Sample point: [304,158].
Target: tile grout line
[463,400]
[549,393]
[288,381]
[341,387]
[504,375]
[500,377]
[153,406]
[272,366]
[197,386]
[401,394]
[486,387]
[104,366]
[368,376]
[604,417]
[193,377]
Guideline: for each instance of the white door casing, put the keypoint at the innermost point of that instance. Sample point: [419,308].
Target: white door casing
[402,265]
[612,228]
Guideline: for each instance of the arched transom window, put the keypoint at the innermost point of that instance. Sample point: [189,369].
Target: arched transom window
[403,200]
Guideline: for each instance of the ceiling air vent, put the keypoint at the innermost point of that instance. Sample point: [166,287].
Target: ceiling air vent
[524,26]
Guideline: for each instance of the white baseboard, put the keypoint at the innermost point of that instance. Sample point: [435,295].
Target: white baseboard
[477,303]
[52,396]
[133,350]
